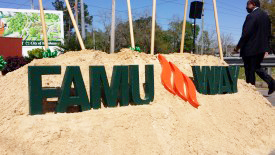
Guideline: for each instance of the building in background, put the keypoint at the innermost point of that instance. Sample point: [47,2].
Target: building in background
[26,24]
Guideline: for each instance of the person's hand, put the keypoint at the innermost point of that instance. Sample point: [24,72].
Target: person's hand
[236,50]
[266,54]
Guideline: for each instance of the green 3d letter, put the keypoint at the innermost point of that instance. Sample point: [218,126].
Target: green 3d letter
[217,76]
[234,73]
[134,84]
[199,79]
[36,92]
[118,91]
[224,85]
[73,75]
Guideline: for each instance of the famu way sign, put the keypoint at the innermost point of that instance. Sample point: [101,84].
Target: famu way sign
[123,89]
[208,80]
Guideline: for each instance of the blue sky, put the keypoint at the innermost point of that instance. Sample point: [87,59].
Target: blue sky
[231,13]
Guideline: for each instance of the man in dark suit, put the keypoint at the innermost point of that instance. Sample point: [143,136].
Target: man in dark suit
[254,44]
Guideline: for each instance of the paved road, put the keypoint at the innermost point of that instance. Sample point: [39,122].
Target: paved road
[271,97]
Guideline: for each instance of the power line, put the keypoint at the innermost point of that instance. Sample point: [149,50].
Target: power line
[95,6]
[221,12]
[172,2]
[14,3]
[230,5]
[163,2]
[232,10]
[22,4]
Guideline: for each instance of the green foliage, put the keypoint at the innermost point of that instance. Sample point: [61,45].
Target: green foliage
[269,7]
[68,26]
[39,53]
[137,48]
[175,33]
[2,63]
[36,53]
[14,63]
[70,44]
[166,41]
[49,54]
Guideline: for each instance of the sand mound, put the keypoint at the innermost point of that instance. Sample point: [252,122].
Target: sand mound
[242,123]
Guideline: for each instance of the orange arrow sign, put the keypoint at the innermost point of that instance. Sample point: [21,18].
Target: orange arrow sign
[180,80]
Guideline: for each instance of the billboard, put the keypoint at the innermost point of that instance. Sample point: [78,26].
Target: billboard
[26,24]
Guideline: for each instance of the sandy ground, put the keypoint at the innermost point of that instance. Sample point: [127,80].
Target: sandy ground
[241,123]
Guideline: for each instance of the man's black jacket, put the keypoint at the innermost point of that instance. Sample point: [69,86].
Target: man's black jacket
[256,34]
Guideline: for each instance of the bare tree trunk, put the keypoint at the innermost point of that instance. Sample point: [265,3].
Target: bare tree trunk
[76,14]
[82,20]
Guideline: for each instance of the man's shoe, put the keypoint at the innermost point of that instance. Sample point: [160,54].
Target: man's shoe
[271,88]
[270,91]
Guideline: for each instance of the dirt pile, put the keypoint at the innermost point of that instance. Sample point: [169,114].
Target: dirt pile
[241,123]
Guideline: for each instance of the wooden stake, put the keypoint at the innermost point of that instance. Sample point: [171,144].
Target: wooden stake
[42,17]
[183,27]
[131,24]
[218,29]
[153,27]
[75,25]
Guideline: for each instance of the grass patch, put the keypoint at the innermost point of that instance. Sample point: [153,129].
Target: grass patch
[258,79]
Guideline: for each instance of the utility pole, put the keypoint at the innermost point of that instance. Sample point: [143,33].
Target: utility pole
[76,13]
[194,39]
[32,5]
[113,26]
[153,27]
[82,20]
[202,28]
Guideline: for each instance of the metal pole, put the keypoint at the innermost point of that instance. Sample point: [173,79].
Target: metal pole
[113,26]
[194,37]
[131,24]
[82,20]
[202,29]
[153,27]
[226,52]
[75,25]
[183,27]
[32,5]
[218,29]
[43,24]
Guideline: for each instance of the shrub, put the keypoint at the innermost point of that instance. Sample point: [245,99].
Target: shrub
[36,53]
[14,63]
[70,44]
[2,63]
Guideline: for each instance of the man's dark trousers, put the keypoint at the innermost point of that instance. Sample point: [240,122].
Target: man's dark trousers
[252,65]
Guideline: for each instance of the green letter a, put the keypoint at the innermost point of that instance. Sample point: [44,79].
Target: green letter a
[73,75]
